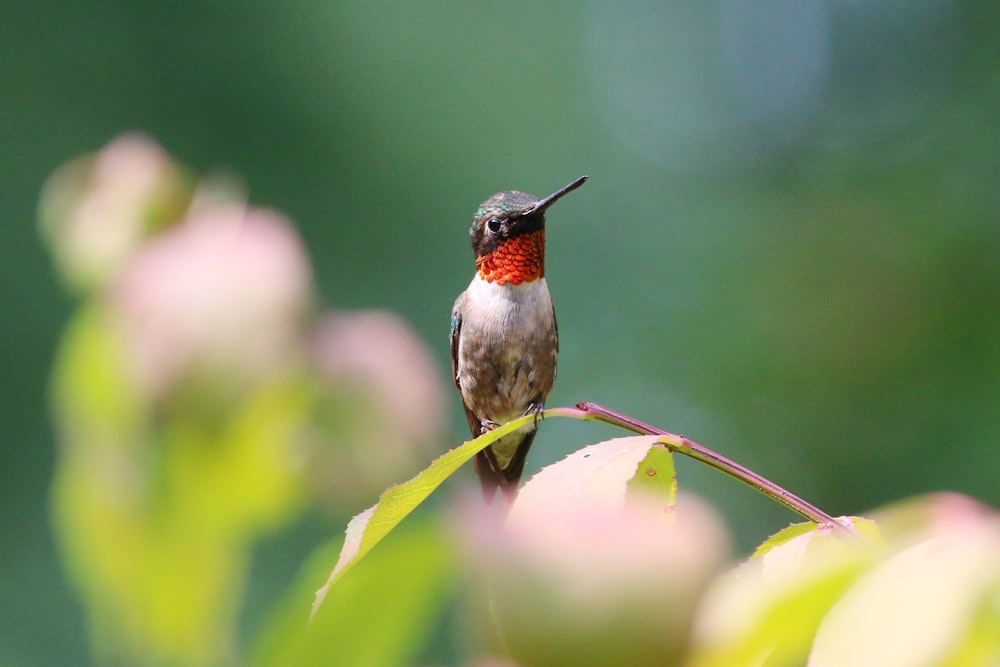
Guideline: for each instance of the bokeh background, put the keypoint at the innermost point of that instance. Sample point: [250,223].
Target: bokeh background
[789,248]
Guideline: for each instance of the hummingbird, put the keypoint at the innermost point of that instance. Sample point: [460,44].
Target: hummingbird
[504,337]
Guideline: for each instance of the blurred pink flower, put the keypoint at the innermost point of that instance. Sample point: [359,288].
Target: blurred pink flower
[224,292]
[96,209]
[391,401]
[586,585]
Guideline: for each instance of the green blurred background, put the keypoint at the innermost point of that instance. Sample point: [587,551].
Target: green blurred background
[789,248]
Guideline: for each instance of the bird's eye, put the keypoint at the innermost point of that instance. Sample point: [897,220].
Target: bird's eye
[494,224]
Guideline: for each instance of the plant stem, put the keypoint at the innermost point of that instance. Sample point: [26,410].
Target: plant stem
[681,445]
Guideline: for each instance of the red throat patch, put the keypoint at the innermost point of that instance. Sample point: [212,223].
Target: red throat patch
[517,260]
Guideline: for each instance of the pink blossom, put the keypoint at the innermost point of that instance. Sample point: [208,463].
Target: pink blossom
[584,584]
[390,398]
[222,293]
[95,210]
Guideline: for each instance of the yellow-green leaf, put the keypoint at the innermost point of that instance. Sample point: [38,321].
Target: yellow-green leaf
[370,526]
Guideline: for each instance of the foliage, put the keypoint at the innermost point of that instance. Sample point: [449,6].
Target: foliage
[205,401]
[380,616]
[922,586]
[202,403]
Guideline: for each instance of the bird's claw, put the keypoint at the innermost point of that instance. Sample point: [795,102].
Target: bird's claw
[488,424]
[536,410]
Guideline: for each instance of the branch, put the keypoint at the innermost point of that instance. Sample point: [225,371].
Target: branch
[681,445]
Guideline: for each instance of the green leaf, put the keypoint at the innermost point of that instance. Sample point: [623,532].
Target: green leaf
[934,602]
[868,529]
[95,403]
[378,616]
[156,517]
[656,476]
[370,526]
[768,609]
[597,475]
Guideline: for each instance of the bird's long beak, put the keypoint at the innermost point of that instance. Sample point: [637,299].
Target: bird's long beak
[551,199]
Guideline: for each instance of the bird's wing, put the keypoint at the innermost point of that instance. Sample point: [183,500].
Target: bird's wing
[555,330]
[475,425]
[456,330]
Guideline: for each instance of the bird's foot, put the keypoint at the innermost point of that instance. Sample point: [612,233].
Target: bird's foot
[488,425]
[535,409]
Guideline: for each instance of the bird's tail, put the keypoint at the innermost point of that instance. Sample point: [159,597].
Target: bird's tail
[493,478]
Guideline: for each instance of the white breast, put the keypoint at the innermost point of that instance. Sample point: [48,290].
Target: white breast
[508,310]
[506,355]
